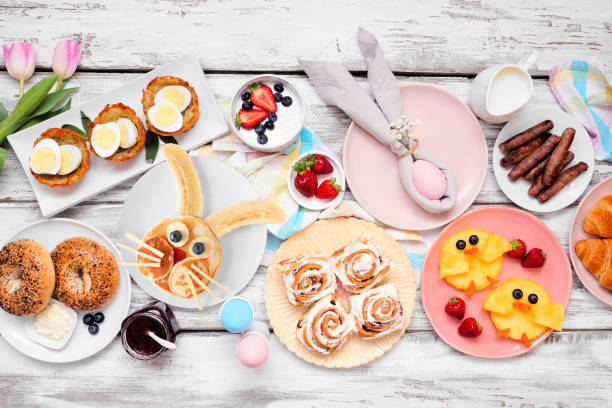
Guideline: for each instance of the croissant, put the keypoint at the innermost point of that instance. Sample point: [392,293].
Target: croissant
[596,255]
[598,221]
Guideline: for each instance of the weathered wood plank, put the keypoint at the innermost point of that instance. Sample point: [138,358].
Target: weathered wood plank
[569,369]
[422,36]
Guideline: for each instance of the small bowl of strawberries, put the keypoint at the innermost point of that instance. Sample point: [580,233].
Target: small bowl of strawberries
[316,181]
[267,113]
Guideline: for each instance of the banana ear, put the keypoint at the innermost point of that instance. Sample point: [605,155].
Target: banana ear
[187,180]
[247,213]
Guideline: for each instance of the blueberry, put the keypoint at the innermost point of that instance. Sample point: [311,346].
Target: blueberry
[460,245]
[198,248]
[176,236]
[262,139]
[474,239]
[260,129]
[517,293]
[88,319]
[93,328]
[272,117]
[99,317]
[533,298]
[247,105]
[269,124]
[246,96]
[279,87]
[287,101]
[278,96]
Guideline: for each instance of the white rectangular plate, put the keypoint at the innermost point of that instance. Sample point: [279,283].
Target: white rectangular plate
[102,174]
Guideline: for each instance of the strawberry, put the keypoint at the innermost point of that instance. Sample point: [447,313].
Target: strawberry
[535,258]
[455,307]
[249,119]
[306,181]
[470,328]
[262,96]
[328,189]
[518,249]
[321,165]
[179,255]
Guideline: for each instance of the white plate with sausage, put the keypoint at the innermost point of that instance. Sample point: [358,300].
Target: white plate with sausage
[574,167]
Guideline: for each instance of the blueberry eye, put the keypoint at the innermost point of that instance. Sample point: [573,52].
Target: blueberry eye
[517,294]
[533,298]
[176,236]
[474,239]
[460,245]
[198,248]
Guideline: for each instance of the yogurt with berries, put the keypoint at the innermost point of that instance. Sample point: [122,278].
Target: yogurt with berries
[267,113]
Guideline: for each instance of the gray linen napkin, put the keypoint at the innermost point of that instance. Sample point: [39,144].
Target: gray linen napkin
[336,86]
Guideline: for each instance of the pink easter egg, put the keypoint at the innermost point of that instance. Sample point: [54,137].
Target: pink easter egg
[253,349]
[428,179]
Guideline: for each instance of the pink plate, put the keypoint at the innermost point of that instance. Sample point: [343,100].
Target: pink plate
[589,281]
[448,129]
[555,276]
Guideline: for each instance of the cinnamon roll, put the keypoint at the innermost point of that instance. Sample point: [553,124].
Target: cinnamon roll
[326,326]
[307,278]
[361,265]
[377,312]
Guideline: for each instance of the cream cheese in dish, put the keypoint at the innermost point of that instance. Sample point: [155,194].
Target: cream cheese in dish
[105,139]
[53,322]
[46,157]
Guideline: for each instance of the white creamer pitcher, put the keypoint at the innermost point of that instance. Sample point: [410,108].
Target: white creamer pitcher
[499,92]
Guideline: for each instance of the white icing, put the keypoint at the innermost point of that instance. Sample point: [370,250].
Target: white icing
[385,291]
[313,329]
[314,291]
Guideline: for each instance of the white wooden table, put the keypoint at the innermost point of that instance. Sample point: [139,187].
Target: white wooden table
[436,42]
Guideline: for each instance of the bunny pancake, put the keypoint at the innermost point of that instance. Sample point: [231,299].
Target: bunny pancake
[26,277]
[170,105]
[59,158]
[86,274]
[116,134]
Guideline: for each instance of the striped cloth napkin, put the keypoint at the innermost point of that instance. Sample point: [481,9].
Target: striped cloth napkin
[583,90]
[267,172]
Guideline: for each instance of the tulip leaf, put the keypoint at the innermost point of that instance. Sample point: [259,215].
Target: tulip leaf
[2,157]
[52,100]
[75,130]
[35,120]
[168,139]
[151,146]
[85,121]
[3,112]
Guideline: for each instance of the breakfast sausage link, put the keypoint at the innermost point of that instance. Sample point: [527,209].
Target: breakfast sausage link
[563,180]
[534,158]
[538,184]
[553,167]
[526,136]
[521,152]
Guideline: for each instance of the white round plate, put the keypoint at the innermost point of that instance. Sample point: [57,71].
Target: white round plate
[49,233]
[581,146]
[155,197]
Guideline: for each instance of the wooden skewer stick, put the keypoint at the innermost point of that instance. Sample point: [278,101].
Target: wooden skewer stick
[205,286]
[129,248]
[193,292]
[155,265]
[207,276]
[144,244]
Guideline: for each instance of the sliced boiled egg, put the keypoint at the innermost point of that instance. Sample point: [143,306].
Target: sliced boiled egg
[71,159]
[105,139]
[179,96]
[46,157]
[128,133]
[165,117]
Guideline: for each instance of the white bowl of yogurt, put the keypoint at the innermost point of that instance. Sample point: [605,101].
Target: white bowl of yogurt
[287,124]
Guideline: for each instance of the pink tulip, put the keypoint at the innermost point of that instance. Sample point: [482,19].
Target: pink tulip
[65,59]
[20,61]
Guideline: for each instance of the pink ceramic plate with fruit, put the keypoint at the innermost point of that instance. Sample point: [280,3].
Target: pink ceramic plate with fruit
[552,282]
[316,181]
[448,129]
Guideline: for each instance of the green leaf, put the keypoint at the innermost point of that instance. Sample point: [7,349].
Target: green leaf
[2,157]
[75,130]
[52,100]
[168,139]
[3,112]
[151,146]
[31,121]
[85,121]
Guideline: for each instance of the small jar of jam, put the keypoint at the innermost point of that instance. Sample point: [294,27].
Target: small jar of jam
[156,317]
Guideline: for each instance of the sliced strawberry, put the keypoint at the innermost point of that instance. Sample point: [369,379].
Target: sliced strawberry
[249,119]
[262,96]
[328,189]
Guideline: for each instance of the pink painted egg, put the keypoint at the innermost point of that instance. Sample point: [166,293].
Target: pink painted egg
[428,179]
